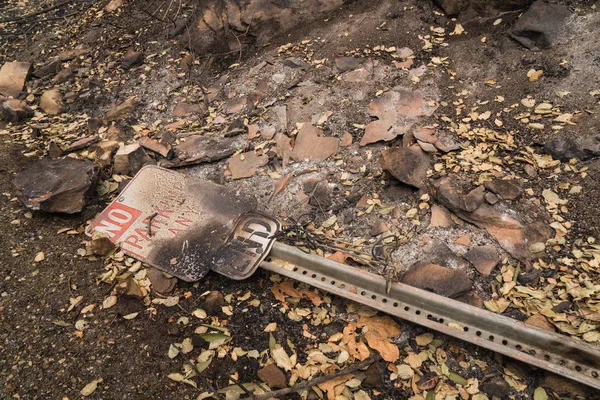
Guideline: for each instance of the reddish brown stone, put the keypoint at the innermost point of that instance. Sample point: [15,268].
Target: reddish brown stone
[310,145]
[484,259]
[13,76]
[408,165]
[441,280]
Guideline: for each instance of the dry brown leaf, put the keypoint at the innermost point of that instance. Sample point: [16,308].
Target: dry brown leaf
[384,325]
[338,256]
[283,289]
[314,297]
[335,387]
[388,351]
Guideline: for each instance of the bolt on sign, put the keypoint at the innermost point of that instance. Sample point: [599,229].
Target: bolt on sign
[186,226]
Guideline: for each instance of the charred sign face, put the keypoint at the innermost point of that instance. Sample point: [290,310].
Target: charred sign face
[186,226]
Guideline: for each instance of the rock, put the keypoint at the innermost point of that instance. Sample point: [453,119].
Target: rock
[113,5]
[213,303]
[198,149]
[318,192]
[237,106]
[530,277]
[471,298]
[64,186]
[14,110]
[503,224]
[347,139]
[50,68]
[397,111]
[100,246]
[64,75]
[68,55]
[132,59]
[496,387]
[186,62]
[123,110]
[580,146]
[464,241]
[344,64]
[54,150]
[440,217]
[491,198]
[408,165]
[474,199]
[273,377]
[104,152]
[130,159]
[374,376]
[431,141]
[160,283]
[13,76]
[507,189]
[51,102]
[311,145]
[484,259]
[94,125]
[566,388]
[245,165]
[262,19]
[82,143]
[437,279]
[539,27]
[378,228]
[159,148]
[437,252]
[237,127]
[185,109]
[541,322]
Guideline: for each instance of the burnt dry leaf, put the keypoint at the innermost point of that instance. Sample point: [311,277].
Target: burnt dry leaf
[428,381]
[281,184]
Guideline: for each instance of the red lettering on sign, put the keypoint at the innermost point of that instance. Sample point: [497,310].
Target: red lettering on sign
[131,240]
[115,220]
[183,221]
[175,231]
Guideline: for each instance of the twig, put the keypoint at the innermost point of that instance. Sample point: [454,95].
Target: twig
[43,11]
[316,381]
[239,385]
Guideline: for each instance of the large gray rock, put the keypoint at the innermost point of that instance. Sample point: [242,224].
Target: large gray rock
[13,76]
[63,186]
[539,27]
[582,147]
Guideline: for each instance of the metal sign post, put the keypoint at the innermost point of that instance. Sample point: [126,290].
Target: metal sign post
[187,227]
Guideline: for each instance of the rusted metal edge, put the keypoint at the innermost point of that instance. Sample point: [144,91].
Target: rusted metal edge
[556,353]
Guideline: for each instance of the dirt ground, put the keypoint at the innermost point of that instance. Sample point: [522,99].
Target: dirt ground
[46,352]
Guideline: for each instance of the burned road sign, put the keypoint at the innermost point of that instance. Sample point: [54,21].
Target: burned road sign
[181,225]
